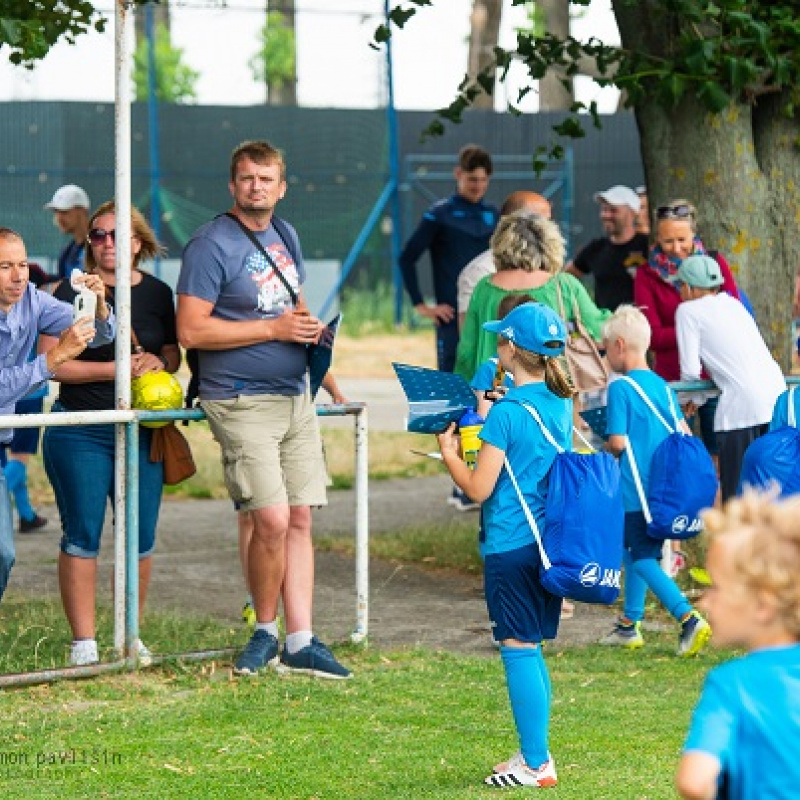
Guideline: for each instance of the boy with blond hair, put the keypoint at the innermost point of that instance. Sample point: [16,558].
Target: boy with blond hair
[745,732]
[632,425]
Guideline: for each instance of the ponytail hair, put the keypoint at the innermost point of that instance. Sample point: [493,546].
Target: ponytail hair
[556,376]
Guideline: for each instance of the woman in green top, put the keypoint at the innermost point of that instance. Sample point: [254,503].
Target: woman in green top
[529,253]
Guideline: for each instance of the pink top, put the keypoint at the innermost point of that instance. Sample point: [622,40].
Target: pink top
[658,301]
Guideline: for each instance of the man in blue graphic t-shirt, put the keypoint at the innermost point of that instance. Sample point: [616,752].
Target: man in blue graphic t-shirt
[239,305]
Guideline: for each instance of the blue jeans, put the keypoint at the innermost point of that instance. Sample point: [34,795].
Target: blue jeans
[79,461]
[7,555]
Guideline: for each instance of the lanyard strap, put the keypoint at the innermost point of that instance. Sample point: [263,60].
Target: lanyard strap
[254,239]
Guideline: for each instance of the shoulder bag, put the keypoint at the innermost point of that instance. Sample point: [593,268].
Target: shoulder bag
[169,445]
[587,367]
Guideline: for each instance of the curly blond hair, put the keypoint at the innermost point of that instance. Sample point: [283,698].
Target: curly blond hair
[765,534]
[529,242]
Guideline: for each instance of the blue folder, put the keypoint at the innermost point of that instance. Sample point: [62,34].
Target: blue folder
[435,399]
[320,355]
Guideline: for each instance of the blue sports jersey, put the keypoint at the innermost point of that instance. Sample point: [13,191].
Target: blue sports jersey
[454,231]
[483,380]
[512,429]
[629,415]
[748,718]
[780,414]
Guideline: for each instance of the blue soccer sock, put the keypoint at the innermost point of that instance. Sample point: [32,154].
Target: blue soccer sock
[17,481]
[545,676]
[635,590]
[530,702]
[663,587]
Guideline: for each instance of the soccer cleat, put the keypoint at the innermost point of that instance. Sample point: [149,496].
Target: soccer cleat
[31,525]
[314,659]
[629,636]
[260,653]
[518,773]
[249,614]
[695,633]
[83,652]
[515,761]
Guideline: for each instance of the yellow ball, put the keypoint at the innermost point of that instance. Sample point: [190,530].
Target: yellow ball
[156,391]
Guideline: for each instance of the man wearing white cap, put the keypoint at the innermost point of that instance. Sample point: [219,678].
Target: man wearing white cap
[70,205]
[614,259]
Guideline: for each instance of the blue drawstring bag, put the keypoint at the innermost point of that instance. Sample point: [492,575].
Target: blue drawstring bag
[774,458]
[683,480]
[581,549]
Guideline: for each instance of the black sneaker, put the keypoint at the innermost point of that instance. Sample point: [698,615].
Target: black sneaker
[315,659]
[31,525]
[261,652]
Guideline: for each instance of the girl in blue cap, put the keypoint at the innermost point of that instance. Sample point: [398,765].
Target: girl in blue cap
[523,614]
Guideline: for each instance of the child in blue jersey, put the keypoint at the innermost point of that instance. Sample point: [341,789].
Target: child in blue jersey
[522,612]
[488,389]
[744,738]
[780,414]
[632,424]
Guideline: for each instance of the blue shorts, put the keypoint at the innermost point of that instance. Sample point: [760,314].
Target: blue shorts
[519,606]
[637,542]
[26,440]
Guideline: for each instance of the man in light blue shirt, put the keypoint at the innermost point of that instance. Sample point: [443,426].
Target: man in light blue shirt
[24,313]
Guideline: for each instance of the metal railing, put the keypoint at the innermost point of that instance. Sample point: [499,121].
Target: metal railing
[126,536]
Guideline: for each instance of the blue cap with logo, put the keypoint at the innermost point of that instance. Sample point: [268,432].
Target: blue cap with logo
[532,326]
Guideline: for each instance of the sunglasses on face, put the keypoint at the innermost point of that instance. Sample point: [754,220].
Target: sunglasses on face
[98,236]
[682,211]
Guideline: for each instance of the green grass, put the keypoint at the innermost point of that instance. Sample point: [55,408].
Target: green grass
[415,724]
[34,634]
[370,309]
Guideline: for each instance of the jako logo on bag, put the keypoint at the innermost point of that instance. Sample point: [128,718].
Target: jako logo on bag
[611,577]
[681,525]
[590,574]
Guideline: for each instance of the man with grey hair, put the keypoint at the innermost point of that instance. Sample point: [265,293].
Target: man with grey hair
[70,206]
[614,258]
[24,313]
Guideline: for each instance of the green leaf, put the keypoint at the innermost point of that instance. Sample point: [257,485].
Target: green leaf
[571,128]
[401,15]
[713,97]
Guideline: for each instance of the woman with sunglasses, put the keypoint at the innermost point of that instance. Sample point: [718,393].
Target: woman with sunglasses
[676,238]
[79,460]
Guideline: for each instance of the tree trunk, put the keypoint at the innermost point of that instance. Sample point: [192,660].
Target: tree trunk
[283,93]
[553,94]
[740,168]
[484,37]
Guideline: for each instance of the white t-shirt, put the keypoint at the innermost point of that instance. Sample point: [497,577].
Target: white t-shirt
[717,332]
[480,266]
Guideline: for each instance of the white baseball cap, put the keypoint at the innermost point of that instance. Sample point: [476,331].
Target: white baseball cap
[620,196]
[69,196]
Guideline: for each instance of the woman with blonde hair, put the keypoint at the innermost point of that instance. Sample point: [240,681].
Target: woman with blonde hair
[79,460]
[528,251]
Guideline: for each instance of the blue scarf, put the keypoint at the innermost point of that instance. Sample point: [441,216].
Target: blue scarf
[666,266]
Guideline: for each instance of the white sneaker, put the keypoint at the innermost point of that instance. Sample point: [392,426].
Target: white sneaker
[143,654]
[515,761]
[520,774]
[83,652]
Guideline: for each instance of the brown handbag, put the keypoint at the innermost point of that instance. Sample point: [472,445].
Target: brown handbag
[169,445]
[587,367]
